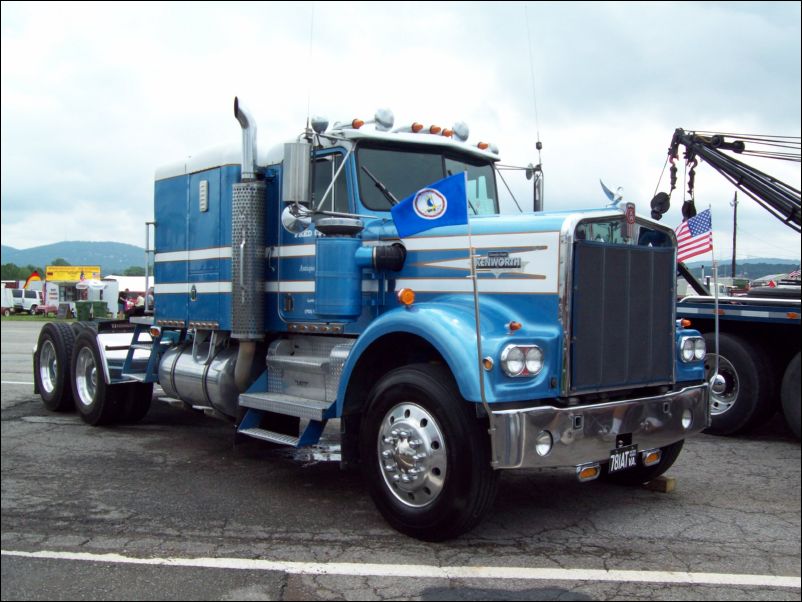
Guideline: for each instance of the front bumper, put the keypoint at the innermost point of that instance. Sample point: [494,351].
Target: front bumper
[585,434]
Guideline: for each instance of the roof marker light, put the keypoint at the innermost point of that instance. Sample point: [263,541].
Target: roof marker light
[447,133]
[357,123]
[483,146]
[416,127]
[434,129]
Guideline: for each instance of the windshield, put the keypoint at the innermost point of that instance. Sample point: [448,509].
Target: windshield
[404,172]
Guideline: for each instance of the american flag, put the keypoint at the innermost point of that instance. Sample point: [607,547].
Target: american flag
[695,236]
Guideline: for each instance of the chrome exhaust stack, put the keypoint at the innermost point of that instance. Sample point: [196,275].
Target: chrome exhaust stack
[248,125]
[247,253]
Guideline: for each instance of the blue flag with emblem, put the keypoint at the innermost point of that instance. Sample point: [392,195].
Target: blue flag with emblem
[444,203]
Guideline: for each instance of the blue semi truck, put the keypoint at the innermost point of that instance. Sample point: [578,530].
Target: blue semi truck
[285,298]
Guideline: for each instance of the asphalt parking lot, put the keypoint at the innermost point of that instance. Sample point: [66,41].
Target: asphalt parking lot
[171,509]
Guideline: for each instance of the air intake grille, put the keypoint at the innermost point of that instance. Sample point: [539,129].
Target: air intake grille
[622,316]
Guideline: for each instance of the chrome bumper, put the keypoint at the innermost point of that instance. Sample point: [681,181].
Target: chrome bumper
[584,434]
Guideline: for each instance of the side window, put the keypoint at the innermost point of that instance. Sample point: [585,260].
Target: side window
[17,292]
[30,294]
[325,168]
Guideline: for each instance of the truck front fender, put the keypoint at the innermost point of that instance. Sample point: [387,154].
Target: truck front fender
[449,327]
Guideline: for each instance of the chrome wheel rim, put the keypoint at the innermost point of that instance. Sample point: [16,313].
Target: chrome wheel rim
[412,455]
[48,367]
[724,394]
[86,376]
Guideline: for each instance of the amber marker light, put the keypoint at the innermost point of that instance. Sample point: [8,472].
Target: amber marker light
[434,129]
[406,296]
[416,127]
[357,123]
[155,331]
[588,473]
[487,362]
[447,133]
[483,146]
[685,323]
[513,326]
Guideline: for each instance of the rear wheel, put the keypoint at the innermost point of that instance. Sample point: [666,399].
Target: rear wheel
[790,395]
[51,366]
[425,454]
[96,402]
[643,474]
[743,397]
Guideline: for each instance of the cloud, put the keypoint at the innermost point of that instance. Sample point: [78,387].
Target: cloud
[95,97]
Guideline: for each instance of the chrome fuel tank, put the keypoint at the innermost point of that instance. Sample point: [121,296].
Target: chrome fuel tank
[201,378]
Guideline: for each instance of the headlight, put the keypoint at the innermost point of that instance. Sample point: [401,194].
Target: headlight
[534,360]
[513,361]
[522,360]
[692,349]
[699,349]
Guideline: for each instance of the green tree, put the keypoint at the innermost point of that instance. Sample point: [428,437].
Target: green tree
[60,261]
[134,270]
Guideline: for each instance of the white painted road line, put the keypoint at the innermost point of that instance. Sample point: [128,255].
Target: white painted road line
[13,382]
[427,571]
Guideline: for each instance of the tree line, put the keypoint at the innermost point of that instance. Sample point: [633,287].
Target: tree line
[12,271]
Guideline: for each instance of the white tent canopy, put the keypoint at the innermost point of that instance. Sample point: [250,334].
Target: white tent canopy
[134,284]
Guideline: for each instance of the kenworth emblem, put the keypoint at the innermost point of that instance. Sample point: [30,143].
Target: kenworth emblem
[498,260]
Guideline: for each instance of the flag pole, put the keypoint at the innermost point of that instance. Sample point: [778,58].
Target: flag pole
[491,423]
[715,288]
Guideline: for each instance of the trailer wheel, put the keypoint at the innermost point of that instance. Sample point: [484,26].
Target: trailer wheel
[96,402]
[790,395]
[744,397]
[51,366]
[425,455]
[643,474]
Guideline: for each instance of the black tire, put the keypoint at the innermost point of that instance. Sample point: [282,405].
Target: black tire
[643,474]
[789,395]
[51,366]
[136,398]
[747,397]
[431,437]
[96,402]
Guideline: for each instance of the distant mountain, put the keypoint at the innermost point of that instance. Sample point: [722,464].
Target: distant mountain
[112,257]
[749,268]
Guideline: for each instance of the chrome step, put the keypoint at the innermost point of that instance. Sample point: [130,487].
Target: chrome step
[265,435]
[288,405]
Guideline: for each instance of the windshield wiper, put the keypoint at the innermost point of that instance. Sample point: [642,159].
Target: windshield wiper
[382,188]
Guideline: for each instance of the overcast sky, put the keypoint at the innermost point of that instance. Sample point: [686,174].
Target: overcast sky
[96,96]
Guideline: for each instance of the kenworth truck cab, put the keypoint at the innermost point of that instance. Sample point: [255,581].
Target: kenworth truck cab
[284,298]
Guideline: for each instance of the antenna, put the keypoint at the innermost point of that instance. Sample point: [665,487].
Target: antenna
[537,171]
[309,79]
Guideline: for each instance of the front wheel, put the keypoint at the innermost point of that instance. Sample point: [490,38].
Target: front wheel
[425,454]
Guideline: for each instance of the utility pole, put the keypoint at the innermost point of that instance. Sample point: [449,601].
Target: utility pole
[734,205]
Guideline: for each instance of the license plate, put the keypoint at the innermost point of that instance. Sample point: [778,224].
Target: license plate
[623,458]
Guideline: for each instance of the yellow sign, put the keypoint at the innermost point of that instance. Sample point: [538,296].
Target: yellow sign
[72,273]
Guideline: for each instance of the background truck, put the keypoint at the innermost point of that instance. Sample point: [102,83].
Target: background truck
[285,298]
[759,343]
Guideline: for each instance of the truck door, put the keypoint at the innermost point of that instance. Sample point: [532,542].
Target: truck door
[296,278]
